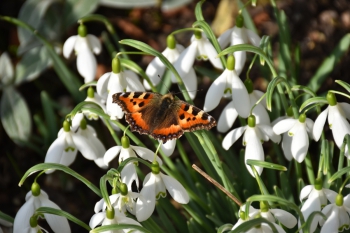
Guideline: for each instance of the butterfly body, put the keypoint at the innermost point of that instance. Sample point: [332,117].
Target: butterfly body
[161,116]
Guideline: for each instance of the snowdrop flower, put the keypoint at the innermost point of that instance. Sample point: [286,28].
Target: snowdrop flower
[84,45]
[114,82]
[200,49]
[34,199]
[239,35]
[156,68]
[64,149]
[316,197]
[253,135]
[155,185]
[7,73]
[299,130]
[168,147]
[337,215]
[112,217]
[337,114]
[123,201]
[128,173]
[228,82]
[242,216]
[229,113]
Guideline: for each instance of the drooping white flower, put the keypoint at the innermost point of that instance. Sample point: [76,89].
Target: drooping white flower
[156,68]
[84,45]
[126,151]
[226,84]
[316,197]
[123,201]
[64,149]
[34,199]
[253,135]
[114,82]
[168,147]
[299,130]
[119,218]
[337,114]
[239,35]
[200,49]
[337,215]
[7,73]
[155,185]
[229,113]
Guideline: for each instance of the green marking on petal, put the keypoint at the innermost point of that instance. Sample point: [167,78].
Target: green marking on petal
[160,194]
[69,148]
[290,134]
[228,90]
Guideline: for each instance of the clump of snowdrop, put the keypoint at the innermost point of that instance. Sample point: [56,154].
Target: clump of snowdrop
[85,46]
[337,113]
[34,199]
[239,35]
[65,148]
[300,130]
[155,185]
[114,82]
[253,135]
[126,151]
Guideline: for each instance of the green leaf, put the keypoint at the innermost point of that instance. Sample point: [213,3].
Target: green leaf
[343,84]
[32,64]
[270,89]
[50,116]
[247,225]
[329,63]
[6,217]
[56,166]
[266,164]
[304,89]
[314,100]
[76,9]
[306,227]
[198,10]
[225,227]
[15,115]
[59,212]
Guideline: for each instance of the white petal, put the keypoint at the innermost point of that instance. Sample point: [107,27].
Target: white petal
[240,96]
[58,153]
[253,38]
[300,144]
[311,205]
[23,215]
[154,71]
[111,153]
[176,190]
[319,124]
[212,54]
[168,147]
[57,223]
[227,118]
[133,82]
[129,175]
[6,69]
[267,130]
[284,217]
[225,38]
[97,219]
[232,136]
[260,113]
[99,205]
[346,109]
[305,192]
[284,125]
[190,82]
[330,194]
[85,146]
[68,46]
[87,65]
[146,154]
[215,92]
[102,85]
[332,224]
[146,202]
[340,127]
[185,62]
[94,43]
[254,151]
[76,121]
[287,146]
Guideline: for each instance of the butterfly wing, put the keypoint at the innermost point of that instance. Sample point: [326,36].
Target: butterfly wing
[132,103]
[192,118]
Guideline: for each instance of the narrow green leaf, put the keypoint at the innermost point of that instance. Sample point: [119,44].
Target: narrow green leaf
[343,84]
[56,166]
[225,227]
[270,90]
[15,115]
[198,10]
[248,225]
[59,212]
[306,227]
[6,217]
[50,116]
[314,100]
[266,164]
[329,63]
[304,89]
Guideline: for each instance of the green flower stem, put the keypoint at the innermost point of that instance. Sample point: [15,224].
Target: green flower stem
[108,44]
[186,30]
[340,93]
[297,169]
[69,79]
[58,212]
[104,192]
[108,25]
[309,169]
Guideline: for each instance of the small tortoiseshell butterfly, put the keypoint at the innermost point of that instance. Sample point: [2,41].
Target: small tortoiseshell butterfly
[161,116]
